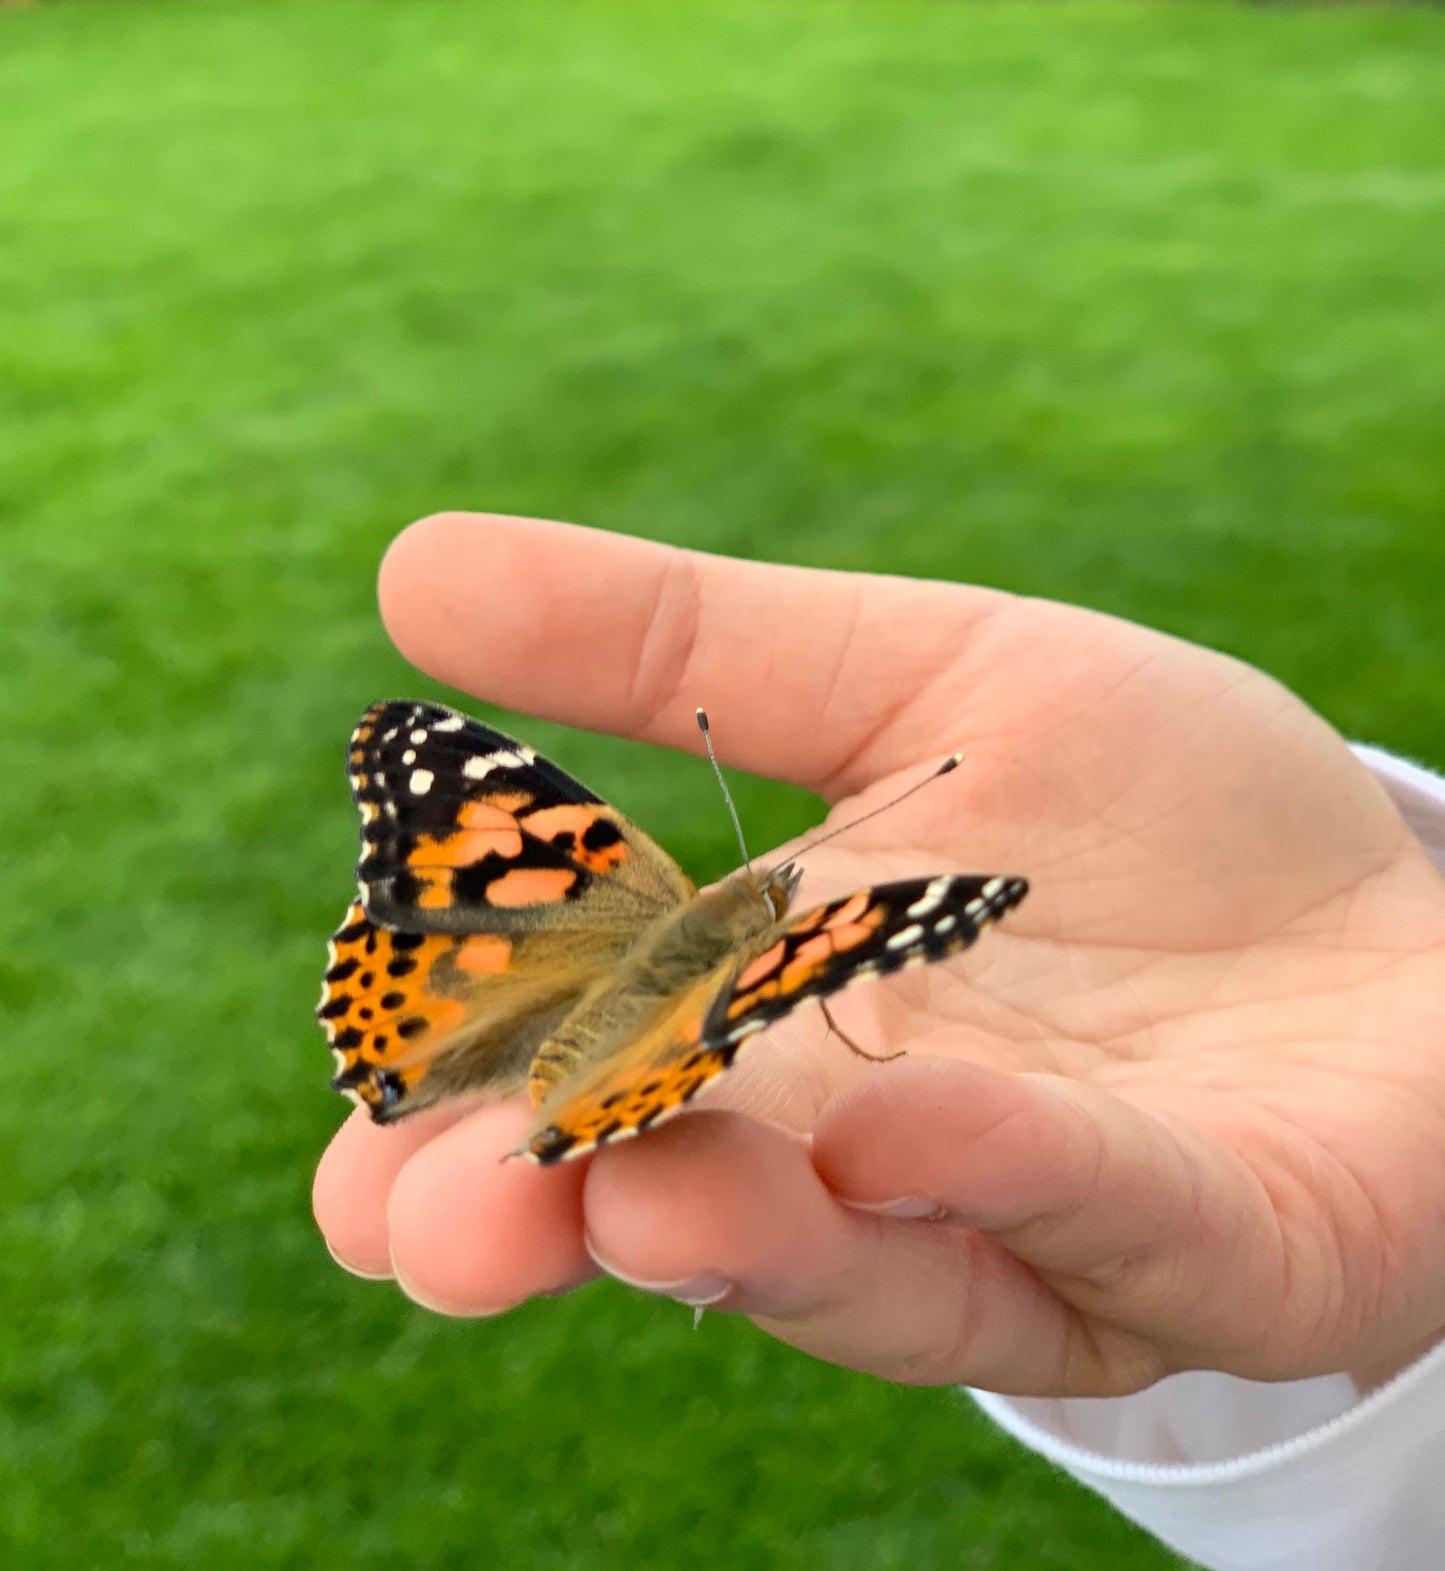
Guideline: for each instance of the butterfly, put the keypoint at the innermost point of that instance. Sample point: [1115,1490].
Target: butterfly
[511,930]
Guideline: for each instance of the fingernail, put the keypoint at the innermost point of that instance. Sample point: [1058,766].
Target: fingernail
[356,1271]
[702,1292]
[699,1291]
[435,1305]
[910,1208]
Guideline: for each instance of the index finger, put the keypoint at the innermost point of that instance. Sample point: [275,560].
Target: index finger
[811,676]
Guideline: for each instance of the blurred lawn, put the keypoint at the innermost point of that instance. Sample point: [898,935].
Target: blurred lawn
[1139,307]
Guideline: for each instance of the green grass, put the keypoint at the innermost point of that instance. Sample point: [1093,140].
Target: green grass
[1140,307]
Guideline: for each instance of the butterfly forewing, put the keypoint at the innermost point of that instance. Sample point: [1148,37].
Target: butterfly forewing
[465,830]
[873,932]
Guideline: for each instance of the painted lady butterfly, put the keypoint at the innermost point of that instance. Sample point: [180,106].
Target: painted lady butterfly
[511,929]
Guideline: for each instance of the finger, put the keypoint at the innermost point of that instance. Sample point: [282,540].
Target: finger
[629,636]
[354,1178]
[1133,1219]
[470,1234]
[719,1211]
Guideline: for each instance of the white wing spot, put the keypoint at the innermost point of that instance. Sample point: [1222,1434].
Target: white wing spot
[480,767]
[451,723]
[945,924]
[409,756]
[390,736]
[906,936]
[931,898]
[418,737]
[421,780]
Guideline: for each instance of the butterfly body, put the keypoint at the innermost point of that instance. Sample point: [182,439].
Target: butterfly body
[511,930]
[729,923]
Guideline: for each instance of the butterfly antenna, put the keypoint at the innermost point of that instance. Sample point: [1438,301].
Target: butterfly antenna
[704,727]
[948,765]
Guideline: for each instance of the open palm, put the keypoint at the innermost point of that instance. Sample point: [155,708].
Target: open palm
[1184,1109]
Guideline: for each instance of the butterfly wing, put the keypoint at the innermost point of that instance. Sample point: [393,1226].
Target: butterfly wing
[493,890]
[804,958]
[414,1018]
[466,831]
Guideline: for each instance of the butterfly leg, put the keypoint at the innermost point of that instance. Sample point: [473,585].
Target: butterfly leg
[838,1031]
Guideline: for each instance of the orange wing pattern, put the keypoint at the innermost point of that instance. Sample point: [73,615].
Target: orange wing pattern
[412,1018]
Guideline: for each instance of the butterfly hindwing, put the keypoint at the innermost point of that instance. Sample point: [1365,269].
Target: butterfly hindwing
[465,830]
[872,932]
[414,1018]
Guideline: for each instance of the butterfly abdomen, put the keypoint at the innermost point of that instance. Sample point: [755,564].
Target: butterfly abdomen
[670,956]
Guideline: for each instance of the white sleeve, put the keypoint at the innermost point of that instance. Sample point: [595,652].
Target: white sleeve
[1245,1476]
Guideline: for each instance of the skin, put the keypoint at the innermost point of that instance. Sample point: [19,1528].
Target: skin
[1185,1109]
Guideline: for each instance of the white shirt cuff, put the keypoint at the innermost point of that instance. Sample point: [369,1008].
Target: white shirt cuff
[1246,1476]
[1355,1488]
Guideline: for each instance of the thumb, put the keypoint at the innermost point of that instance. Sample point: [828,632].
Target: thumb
[1154,1227]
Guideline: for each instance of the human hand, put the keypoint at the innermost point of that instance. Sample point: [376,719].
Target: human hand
[1184,1109]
